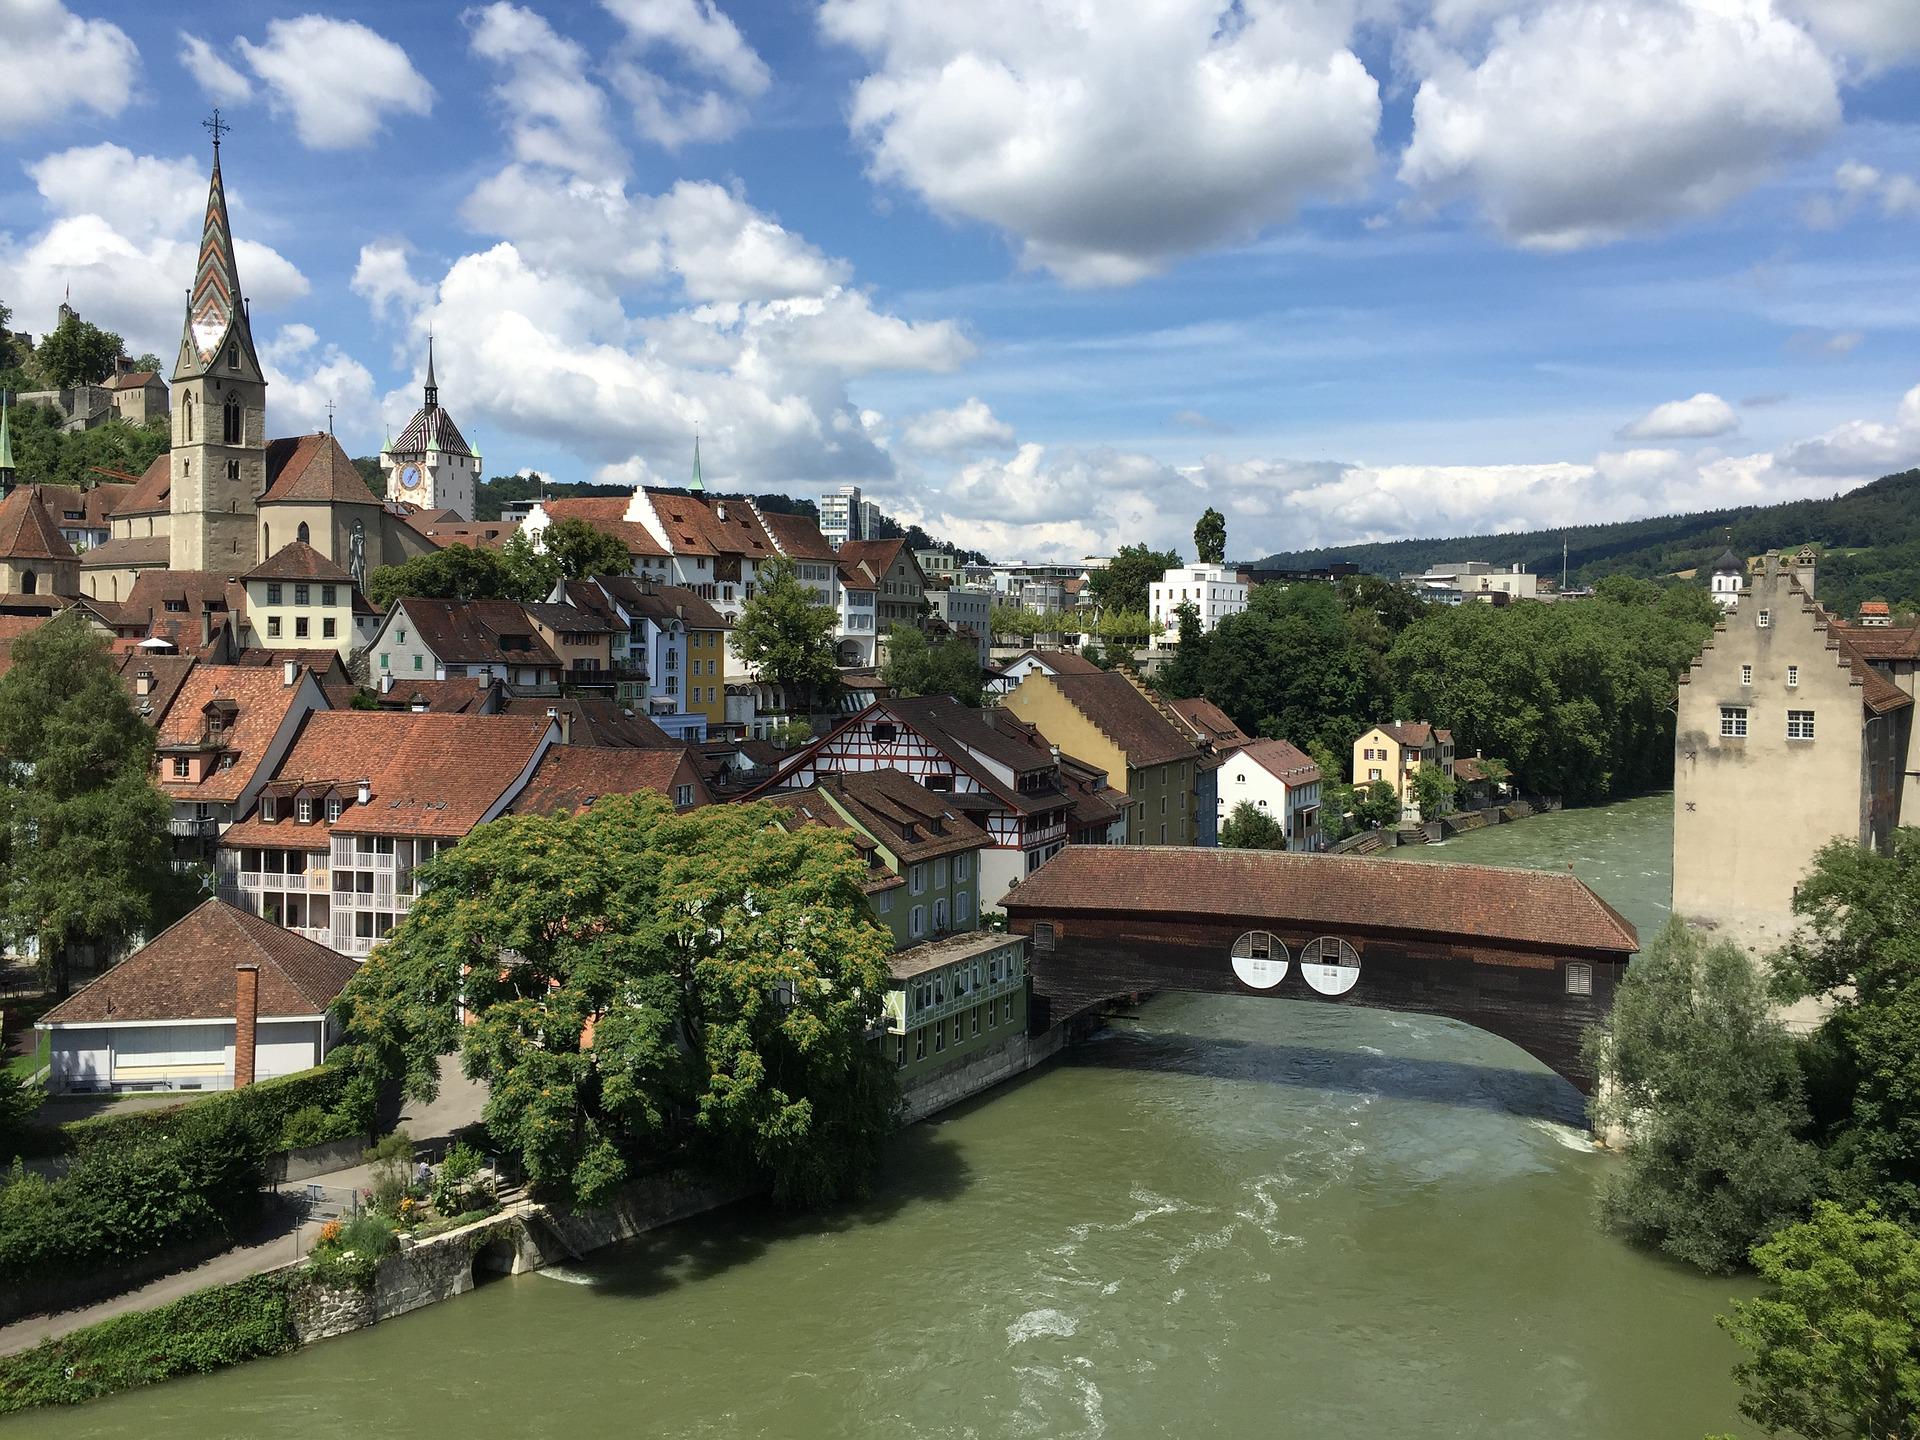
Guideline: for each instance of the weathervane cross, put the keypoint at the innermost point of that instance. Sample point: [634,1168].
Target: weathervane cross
[216,127]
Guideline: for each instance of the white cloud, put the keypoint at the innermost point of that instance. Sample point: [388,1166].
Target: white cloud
[1068,504]
[970,425]
[304,376]
[53,62]
[1109,140]
[1700,418]
[1862,448]
[558,115]
[1856,185]
[128,272]
[336,78]
[217,79]
[700,37]
[1877,33]
[384,280]
[1586,120]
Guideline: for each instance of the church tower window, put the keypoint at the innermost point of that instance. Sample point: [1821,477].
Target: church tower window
[186,408]
[233,469]
[302,534]
[230,422]
[29,582]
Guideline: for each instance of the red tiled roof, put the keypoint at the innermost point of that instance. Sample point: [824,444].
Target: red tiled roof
[608,513]
[1523,907]
[27,532]
[604,724]
[1113,706]
[662,602]
[254,702]
[186,973]
[12,627]
[128,552]
[154,490]
[169,673]
[903,815]
[1882,642]
[1058,662]
[1416,734]
[298,561]
[1877,692]
[694,527]
[570,778]
[1874,607]
[87,508]
[1289,763]
[471,632]
[132,380]
[796,536]
[313,468]
[877,555]
[144,612]
[430,775]
[1210,722]
[442,697]
[475,534]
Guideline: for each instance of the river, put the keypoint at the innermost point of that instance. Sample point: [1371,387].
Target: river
[1226,1217]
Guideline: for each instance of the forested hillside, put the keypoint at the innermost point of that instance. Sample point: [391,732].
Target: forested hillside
[1871,537]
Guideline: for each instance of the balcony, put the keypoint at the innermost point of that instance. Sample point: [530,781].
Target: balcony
[193,828]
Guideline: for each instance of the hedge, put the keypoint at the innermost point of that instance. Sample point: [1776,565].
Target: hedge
[210,1328]
[270,1103]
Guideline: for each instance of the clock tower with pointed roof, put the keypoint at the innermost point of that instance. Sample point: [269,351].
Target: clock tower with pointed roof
[430,465]
[219,456]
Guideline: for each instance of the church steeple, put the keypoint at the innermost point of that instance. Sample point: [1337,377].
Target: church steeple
[216,309]
[697,485]
[433,390]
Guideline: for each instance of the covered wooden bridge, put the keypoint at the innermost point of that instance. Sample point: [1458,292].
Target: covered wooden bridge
[1533,956]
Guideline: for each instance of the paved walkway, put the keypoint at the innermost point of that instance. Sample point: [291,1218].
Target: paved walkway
[285,1238]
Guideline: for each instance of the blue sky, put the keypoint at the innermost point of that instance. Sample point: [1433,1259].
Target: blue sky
[1047,276]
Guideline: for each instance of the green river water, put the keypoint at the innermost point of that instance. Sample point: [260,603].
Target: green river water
[1226,1217]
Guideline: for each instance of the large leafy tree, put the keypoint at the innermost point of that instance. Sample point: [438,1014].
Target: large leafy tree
[1834,1347]
[1433,790]
[457,572]
[1123,583]
[1697,1069]
[1859,950]
[1250,828]
[919,666]
[1210,538]
[638,982]
[85,856]
[786,632]
[45,454]
[1289,666]
[579,550]
[75,352]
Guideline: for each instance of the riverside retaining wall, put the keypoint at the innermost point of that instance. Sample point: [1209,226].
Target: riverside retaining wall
[963,1082]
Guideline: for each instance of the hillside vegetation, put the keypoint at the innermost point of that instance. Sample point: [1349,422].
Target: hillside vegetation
[1870,536]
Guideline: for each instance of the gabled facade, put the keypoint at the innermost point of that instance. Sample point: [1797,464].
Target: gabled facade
[1280,781]
[668,649]
[224,729]
[1395,752]
[297,599]
[361,800]
[1787,737]
[459,639]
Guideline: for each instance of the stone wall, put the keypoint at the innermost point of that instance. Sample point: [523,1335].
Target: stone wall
[419,1274]
[950,1087]
[292,1166]
[547,1236]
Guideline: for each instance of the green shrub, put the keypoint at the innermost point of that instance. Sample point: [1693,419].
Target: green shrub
[203,1331]
[397,1146]
[269,1105]
[455,1188]
[310,1125]
[347,1258]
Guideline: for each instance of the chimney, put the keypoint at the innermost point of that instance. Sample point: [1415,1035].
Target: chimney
[366,792]
[289,672]
[720,511]
[206,627]
[564,719]
[143,683]
[246,1012]
[386,682]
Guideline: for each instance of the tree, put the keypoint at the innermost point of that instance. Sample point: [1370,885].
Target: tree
[1022,622]
[85,855]
[1859,950]
[457,572]
[1210,538]
[1337,819]
[1250,828]
[580,550]
[1433,790]
[786,632]
[918,666]
[1834,1348]
[1127,630]
[1694,1065]
[1376,805]
[1123,584]
[76,353]
[638,982]
[47,455]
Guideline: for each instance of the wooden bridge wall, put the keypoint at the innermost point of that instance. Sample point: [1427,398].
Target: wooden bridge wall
[1518,994]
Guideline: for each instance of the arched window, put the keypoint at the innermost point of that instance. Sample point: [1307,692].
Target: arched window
[230,422]
[266,540]
[29,582]
[187,408]
[302,534]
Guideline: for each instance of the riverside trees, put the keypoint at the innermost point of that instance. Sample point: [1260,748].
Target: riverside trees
[639,982]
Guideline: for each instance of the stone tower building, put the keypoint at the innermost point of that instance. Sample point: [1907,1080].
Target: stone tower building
[430,465]
[219,457]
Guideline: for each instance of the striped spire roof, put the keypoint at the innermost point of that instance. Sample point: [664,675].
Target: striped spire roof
[215,307]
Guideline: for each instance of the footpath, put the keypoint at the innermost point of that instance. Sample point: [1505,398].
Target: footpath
[285,1237]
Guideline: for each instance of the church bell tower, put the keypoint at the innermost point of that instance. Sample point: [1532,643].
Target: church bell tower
[219,458]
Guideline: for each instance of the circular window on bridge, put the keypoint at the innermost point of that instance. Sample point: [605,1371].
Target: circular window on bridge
[1330,966]
[1259,959]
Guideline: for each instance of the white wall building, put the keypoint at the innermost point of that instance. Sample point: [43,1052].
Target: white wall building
[1279,780]
[1213,590]
[967,607]
[1477,580]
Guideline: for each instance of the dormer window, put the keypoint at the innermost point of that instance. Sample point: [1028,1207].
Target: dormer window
[269,809]
[333,808]
[304,811]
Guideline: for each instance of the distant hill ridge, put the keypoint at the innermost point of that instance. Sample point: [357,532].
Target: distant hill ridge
[1872,536]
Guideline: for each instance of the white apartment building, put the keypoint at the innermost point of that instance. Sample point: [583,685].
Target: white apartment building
[967,608]
[1214,591]
[1280,781]
[845,516]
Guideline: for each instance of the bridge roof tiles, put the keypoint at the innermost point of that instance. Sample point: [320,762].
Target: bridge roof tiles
[1543,908]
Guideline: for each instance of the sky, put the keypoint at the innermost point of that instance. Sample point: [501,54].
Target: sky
[1047,276]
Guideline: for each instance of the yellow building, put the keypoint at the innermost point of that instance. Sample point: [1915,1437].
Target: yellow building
[1395,752]
[298,599]
[1104,719]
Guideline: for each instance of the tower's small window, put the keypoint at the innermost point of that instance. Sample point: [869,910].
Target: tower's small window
[1764,619]
[233,356]
[230,422]
[29,582]
[233,469]
[302,534]
[1793,676]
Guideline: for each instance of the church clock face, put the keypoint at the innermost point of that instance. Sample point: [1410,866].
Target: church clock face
[410,476]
